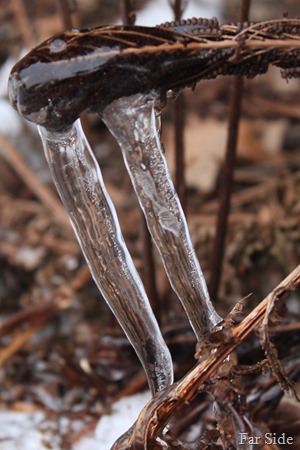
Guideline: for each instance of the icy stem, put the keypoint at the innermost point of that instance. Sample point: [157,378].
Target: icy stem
[79,182]
[135,123]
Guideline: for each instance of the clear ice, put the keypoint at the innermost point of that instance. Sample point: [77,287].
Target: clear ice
[78,179]
[135,123]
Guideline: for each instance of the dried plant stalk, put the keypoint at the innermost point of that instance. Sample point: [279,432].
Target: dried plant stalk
[44,84]
[156,415]
[44,88]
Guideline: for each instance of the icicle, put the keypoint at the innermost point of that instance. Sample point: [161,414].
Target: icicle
[135,123]
[79,182]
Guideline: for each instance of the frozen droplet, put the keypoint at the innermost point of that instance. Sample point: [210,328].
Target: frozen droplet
[135,123]
[57,46]
[168,221]
[79,182]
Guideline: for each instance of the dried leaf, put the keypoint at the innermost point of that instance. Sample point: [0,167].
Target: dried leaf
[274,312]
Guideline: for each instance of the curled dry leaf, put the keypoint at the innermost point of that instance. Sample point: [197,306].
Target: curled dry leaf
[275,310]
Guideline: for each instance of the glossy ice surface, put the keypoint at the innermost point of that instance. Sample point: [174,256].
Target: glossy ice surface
[135,123]
[123,73]
[86,70]
[68,74]
[79,182]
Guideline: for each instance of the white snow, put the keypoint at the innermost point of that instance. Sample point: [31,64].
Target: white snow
[4,74]
[10,120]
[20,431]
[32,431]
[159,11]
[111,426]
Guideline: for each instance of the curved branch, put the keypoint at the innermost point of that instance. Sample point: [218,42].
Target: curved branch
[157,413]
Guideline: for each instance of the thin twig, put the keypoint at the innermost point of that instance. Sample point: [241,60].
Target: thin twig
[149,279]
[32,314]
[42,192]
[24,23]
[69,20]
[235,105]
[165,404]
[256,104]
[179,122]
[19,341]
[226,187]
[252,45]
[127,12]
[35,317]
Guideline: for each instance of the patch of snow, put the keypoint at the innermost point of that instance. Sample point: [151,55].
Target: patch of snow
[33,431]
[11,122]
[89,443]
[159,11]
[4,74]
[111,426]
[20,431]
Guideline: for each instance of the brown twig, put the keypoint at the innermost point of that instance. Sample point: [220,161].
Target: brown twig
[32,314]
[19,341]
[149,276]
[24,23]
[235,106]
[127,12]
[179,122]
[285,328]
[226,187]
[35,318]
[165,404]
[37,315]
[42,192]
[246,195]
[69,19]
[251,47]
[263,105]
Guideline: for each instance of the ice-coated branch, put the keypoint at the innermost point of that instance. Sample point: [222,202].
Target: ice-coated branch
[78,180]
[113,71]
[135,123]
[86,70]
[147,430]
